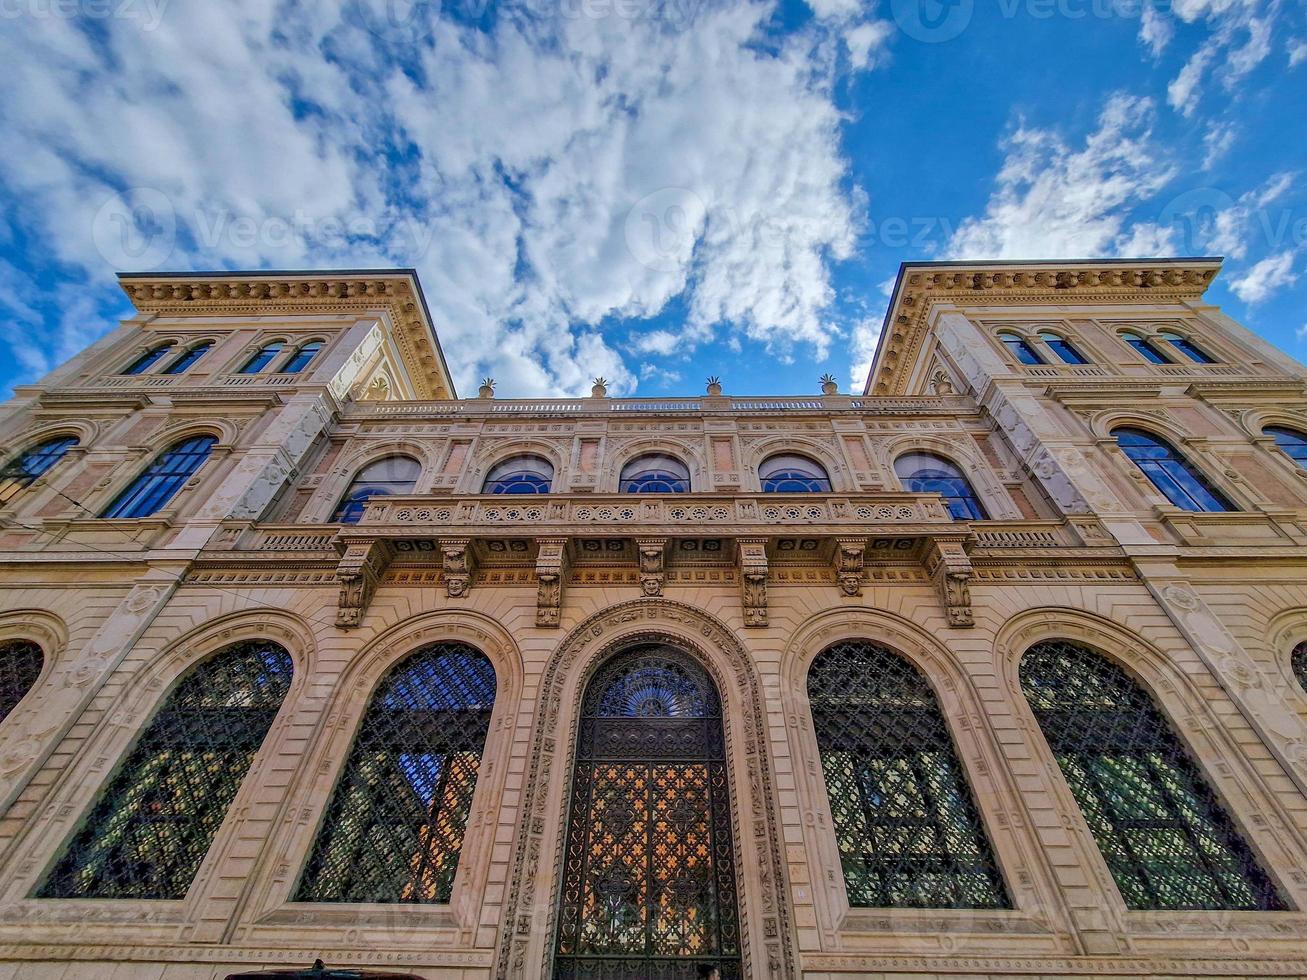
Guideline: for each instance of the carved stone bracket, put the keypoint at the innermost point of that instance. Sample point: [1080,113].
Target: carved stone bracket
[457,557]
[358,573]
[950,570]
[753,580]
[551,572]
[653,565]
[850,559]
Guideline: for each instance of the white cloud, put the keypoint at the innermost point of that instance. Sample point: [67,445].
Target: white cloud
[1265,278]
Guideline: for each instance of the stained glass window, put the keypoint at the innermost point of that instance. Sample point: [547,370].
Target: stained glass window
[22,471]
[1165,836]
[20,666]
[298,361]
[648,885]
[152,490]
[1188,348]
[1020,349]
[1293,444]
[393,830]
[521,474]
[148,359]
[906,823]
[928,473]
[183,363]
[383,477]
[1146,348]
[1066,351]
[152,825]
[655,474]
[1172,474]
[1299,664]
[262,358]
[793,474]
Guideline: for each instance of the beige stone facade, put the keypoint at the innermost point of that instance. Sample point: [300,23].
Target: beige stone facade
[1203,609]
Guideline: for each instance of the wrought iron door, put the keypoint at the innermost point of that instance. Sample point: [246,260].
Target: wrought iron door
[648,887]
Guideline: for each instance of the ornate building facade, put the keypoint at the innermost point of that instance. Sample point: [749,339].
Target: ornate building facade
[996,670]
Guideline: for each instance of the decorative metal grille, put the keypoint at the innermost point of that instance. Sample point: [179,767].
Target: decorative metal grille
[908,831]
[648,884]
[1165,836]
[153,823]
[394,828]
[1300,664]
[20,666]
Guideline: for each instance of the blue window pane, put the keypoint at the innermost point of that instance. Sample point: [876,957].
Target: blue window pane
[150,491]
[521,474]
[655,474]
[1064,349]
[1292,444]
[22,472]
[793,474]
[184,362]
[1188,348]
[147,360]
[1021,350]
[1145,348]
[392,475]
[1170,472]
[300,359]
[927,473]
[262,359]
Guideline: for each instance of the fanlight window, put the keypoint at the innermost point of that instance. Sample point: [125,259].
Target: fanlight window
[393,830]
[655,474]
[262,358]
[906,823]
[184,363]
[384,477]
[298,361]
[793,474]
[928,473]
[1146,349]
[152,825]
[1170,472]
[1299,664]
[1020,349]
[1066,351]
[1161,829]
[20,666]
[521,474]
[148,359]
[152,490]
[21,472]
[1188,348]
[1293,444]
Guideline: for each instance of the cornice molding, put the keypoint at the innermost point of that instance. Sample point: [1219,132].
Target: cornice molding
[397,294]
[920,286]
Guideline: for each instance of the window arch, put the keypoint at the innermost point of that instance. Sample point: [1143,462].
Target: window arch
[262,358]
[1298,661]
[790,473]
[188,359]
[1172,474]
[1146,348]
[380,478]
[1291,442]
[20,666]
[148,359]
[906,822]
[393,830]
[1066,351]
[928,473]
[152,490]
[520,474]
[1020,348]
[24,469]
[1165,836]
[299,360]
[153,822]
[1187,347]
[655,473]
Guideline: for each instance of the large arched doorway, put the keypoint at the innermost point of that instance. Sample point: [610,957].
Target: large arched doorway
[648,886]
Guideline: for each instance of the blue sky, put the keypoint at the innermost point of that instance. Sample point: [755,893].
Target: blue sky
[652,190]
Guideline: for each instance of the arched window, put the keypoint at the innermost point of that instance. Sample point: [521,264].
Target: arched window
[1292,443]
[1020,349]
[152,490]
[1188,348]
[928,473]
[1170,472]
[393,830]
[793,474]
[21,471]
[20,666]
[1146,348]
[184,363]
[655,474]
[300,359]
[153,822]
[907,826]
[262,358]
[521,474]
[1161,829]
[148,359]
[383,477]
[1066,351]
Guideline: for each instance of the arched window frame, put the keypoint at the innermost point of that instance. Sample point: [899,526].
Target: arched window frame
[258,362]
[1064,350]
[188,358]
[170,471]
[817,480]
[1020,348]
[1205,496]
[350,505]
[969,507]
[143,362]
[26,467]
[626,474]
[1145,347]
[532,473]
[301,356]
